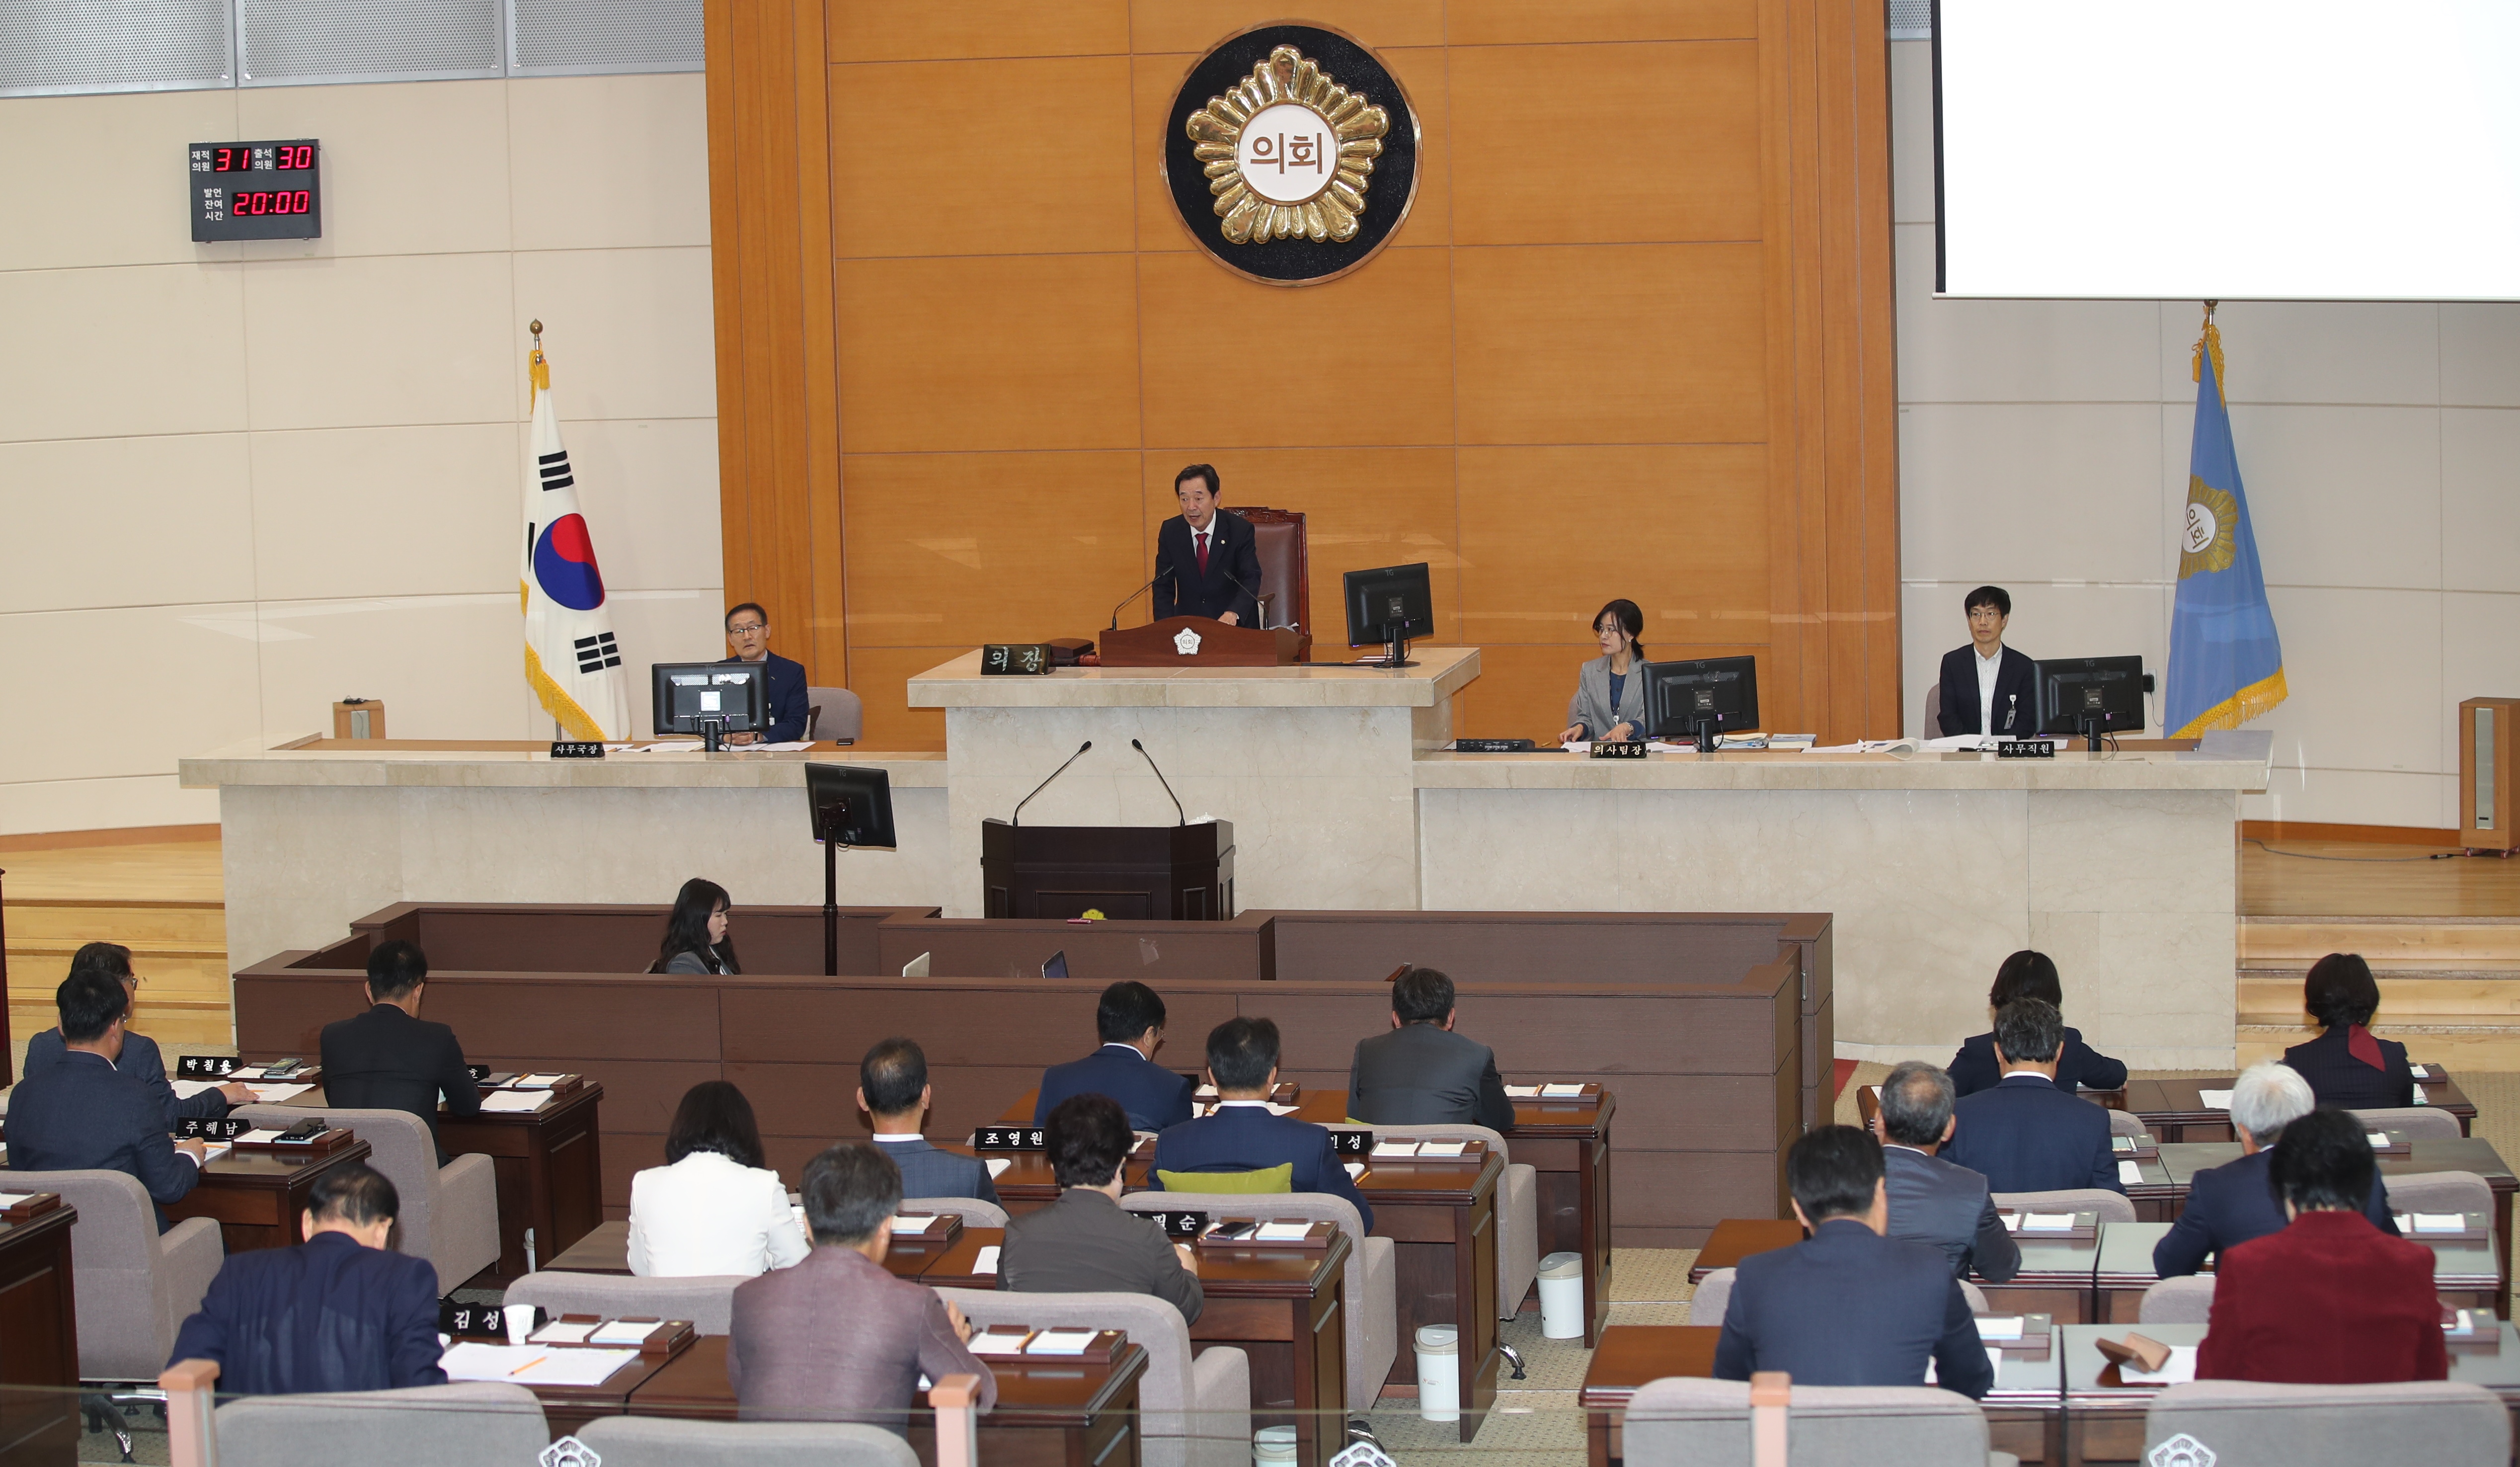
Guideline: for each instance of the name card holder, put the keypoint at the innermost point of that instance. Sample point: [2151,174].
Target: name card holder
[1179,1224]
[32,1206]
[206,1065]
[577,749]
[1316,1237]
[195,1128]
[1351,1143]
[939,1234]
[2472,1331]
[2037,1338]
[2024,749]
[1605,749]
[1009,1138]
[481,1321]
[2086,1228]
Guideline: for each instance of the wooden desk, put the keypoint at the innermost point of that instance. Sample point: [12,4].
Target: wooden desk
[2055,1279]
[2104,1423]
[605,1249]
[258,1197]
[568,1408]
[2465,1273]
[39,1376]
[2174,1109]
[1628,1356]
[2157,1196]
[1442,1218]
[1284,1308]
[1737,1238]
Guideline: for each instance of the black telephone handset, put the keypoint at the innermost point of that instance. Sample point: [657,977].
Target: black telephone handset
[306,1130]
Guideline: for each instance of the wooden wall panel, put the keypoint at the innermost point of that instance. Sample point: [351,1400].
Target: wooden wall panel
[883,677]
[1196,24]
[966,29]
[1520,22]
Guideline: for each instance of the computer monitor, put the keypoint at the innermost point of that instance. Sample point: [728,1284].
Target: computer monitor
[1386,607]
[2091,696]
[1701,700]
[852,802]
[711,699]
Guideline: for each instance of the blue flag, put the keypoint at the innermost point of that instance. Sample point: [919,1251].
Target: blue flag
[2226,664]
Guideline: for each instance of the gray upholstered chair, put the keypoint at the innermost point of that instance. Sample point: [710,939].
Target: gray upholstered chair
[1715,1291]
[1934,711]
[449,1214]
[2112,1207]
[1683,1422]
[836,714]
[2438,1192]
[132,1286]
[665,1442]
[2420,1122]
[2128,1124]
[1371,1280]
[1194,1412]
[2179,1301]
[2438,1423]
[1517,1208]
[707,1301]
[973,1211]
[462,1425]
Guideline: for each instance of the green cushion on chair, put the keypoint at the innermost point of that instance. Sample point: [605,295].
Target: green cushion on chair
[1277,1178]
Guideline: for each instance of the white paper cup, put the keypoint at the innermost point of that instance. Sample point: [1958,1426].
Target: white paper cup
[521,1323]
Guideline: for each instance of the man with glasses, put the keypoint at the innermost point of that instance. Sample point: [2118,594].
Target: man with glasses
[747,631]
[139,1058]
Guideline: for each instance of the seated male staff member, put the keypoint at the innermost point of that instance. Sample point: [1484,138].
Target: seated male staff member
[391,1059]
[1207,562]
[2230,1204]
[84,1114]
[1242,1135]
[1422,1073]
[893,1092]
[1609,701]
[1130,1018]
[340,1311]
[1084,1243]
[2029,973]
[139,1058]
[1987,688]
[1931,1200]
[747,631]
[1849,1306]
[836,1338]
[2026,1135]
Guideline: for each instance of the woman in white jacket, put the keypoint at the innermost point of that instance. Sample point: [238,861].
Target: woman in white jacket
[713,1208]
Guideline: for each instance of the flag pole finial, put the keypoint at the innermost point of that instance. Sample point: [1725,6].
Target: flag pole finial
[538,371]
[2208,342]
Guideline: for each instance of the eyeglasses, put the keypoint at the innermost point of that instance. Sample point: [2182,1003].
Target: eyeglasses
[734,632]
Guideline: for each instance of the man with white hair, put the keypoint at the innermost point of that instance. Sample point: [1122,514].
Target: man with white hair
[2230,1204]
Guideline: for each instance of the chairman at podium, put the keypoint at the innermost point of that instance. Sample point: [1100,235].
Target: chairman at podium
[1207,562]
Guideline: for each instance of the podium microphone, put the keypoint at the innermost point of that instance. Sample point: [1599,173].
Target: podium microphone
[1160,779]
[1257,610]
[1161,573]
[1017,818]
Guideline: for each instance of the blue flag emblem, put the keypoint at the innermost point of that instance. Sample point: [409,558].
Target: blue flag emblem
[2225,663]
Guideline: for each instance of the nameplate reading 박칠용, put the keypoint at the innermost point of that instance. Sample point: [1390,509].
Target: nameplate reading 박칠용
[206,1065]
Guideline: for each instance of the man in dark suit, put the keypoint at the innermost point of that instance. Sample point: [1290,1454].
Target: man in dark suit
[2031,973]
[1848,1305]
[1987,688]
[390,1058]
[747,631]
[340,1311]
[1931,1200]
[2026,1135]
[893,1092]
[81,1114]
[2230,1204]
[139,1058]
[1130,1018]
[1084,1243]
[1422,1073]
[1242,1135]
[1207,562]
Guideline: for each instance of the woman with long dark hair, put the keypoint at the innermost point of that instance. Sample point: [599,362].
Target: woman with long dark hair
[713,1208]
[696,938]
[1609,702]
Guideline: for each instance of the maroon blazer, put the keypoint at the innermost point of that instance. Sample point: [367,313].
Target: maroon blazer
[837,1338]
[2329,1301]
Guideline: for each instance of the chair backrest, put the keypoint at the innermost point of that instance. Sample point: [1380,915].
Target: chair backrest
[1165,1394]
[1934,711]
[2111,1206]
[665,1441]
[1446,1132]
[2438,1423]
[1714,1292]
[2422,1123]
[1286,566]
[2438,1192]
[1706,1423]
[399,1145]
[2179,1301]
[1257,1180]
[707,1299]
[1312,1207]
[1867,1104]
[427,1426]
[2128,1124]
[124,1312]
[835,714]
[973,1211]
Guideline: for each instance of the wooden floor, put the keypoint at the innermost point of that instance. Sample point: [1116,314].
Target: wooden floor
[2340,878]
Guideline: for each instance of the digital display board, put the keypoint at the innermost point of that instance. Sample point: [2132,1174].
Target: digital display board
[255,191]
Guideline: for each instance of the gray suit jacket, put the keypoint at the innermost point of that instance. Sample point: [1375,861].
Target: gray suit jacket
[1937,1202]
[787,1362]
[927,1171]
[1424,1075]
[1084,1244]
[1590,705]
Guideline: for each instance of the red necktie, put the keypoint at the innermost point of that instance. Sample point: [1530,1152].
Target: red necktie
[1202,552]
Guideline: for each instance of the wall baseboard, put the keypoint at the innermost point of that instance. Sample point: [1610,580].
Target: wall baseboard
[132,834]
[2368,835]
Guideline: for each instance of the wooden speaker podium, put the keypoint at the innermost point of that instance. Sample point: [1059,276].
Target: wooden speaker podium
[1164,873]
[1214,645]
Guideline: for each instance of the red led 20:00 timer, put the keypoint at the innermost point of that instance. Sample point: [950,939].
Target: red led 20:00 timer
[255,191]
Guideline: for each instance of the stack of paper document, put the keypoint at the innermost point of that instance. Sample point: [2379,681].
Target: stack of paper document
[278,1092]
[11,1199]
[261,1137]
[1522,1092]
[565,1332]
[185,1089]
[2435,1222]
[539,1082]
[623,1332]
[1395,1148]
[512,1102]
[2181,1369]
[532,1364]
[987,1261]
[1284,1232]
[1561,1092]
[1442,1148]
[1999,1327]
[2046,1222]
[2214,1100]
[1060,1342]
[2377,1138]
[910,1226]
[2130,1174]
[1354,1169]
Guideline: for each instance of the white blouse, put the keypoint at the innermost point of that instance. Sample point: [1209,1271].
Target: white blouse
[708,1215]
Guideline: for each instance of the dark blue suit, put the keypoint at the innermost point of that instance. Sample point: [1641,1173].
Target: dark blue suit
[2016,680]
[141,1061]
[1248,1138]
[1974,1068]
[1847,1307]
[2230,1204]
[2026,1135]
[1181,589]
[328,1314]
[927,1171]
[1154,1097]
[786,697]
[2336,1078]
[83,1115]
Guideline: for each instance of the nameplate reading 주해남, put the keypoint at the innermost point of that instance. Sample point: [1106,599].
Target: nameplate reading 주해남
[1604,749]
[1009,1138]
[577,749]
[206,1065]
[195,1128]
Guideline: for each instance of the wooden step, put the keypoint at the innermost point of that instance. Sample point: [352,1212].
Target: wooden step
[2290,942]
[2474,1049]
[200,924]
[167,970]
[2464,1000]
[166,1023]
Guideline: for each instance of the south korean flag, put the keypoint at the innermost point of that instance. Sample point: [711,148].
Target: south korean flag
[571,660]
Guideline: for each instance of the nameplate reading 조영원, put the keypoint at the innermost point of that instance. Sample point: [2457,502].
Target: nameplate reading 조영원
[1009,1138]
[577,749]
[1604,749]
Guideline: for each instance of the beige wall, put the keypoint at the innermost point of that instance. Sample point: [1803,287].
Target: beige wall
[239,481]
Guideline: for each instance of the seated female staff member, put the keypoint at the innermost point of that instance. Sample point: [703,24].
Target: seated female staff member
[1609,702]
[1987,688]
[696,939]
[2032,974]
[2348,1066]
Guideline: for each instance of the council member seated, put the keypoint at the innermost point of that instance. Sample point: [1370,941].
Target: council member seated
[1207,562]
[1987,688]
[1932,1200]
[2230,1204]
[2033,974]
[1084,1243]
[1242,1135]
[1849,1306]
[81,1114]
[2348,1066]
[1609,701]
[2026,1135]
[139,1058]
[893,1092]
[715,1206]
[391,1059]
[696,938]
[2329,1299]
[1422,1073]
[747,631]
[340,1311]
[837,1338]
[1130,1018]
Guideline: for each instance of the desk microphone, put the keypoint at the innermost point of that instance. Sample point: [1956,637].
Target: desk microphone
[1161,571]
[1017,818]
[1160,779]
[2012,708]
[1257,611]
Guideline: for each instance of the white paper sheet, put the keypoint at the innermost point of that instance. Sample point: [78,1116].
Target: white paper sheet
[267,1134]
[277,1094]
[2046,1222]
[11,1199]
[2000,1326]
[2441,1223]
[1354,1169]
[1442,1148]
[2214,1100]
[538,1081]
[515,1102]
[2377,1138]
[1205,1092]
[2178,1372]
[1522,1092]
[573,1332]
[622,1332]
[1060,1342]
[185,1089]
[987,1261]
[532,1364]
[211,1151]
[1284,1232]
[1000,1343]
[910,1227]
[1395,1148]
[1561,1092]
[2130,1174]
[2420,1071]
[998,1165]
[1993,1360]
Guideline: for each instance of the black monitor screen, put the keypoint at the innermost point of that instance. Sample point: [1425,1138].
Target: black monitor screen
[1680,696]
[1377,599]
[688,695]
[860,800]
[2094,694]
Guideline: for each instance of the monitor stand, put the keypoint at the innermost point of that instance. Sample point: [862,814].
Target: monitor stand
[1395,645]
[1704,732]
[829,821]
[2089,726]
[712,735]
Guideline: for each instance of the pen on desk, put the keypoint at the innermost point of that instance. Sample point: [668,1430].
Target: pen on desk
[529,1366]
